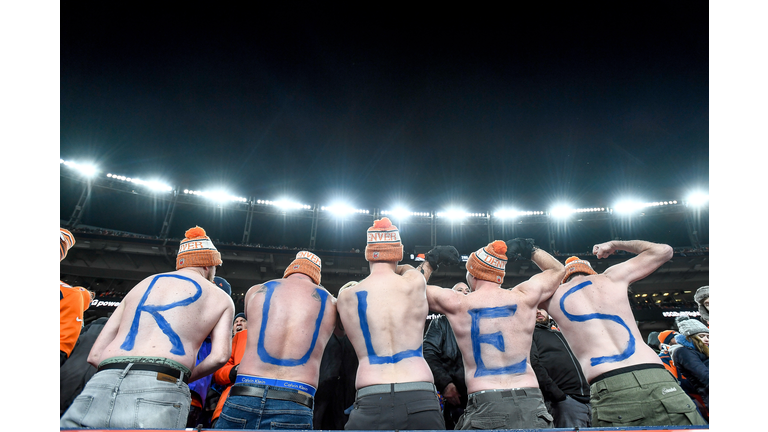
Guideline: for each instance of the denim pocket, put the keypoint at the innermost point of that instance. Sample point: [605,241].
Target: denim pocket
[229,422]
[160,414]
[79,409]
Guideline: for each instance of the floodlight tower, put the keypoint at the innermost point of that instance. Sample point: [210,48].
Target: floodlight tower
[169,215]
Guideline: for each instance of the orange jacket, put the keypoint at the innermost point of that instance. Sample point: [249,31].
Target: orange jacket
[73,302]
[221,376]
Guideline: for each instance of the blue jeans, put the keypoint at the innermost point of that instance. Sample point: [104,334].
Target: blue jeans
[125,399]
[250,412]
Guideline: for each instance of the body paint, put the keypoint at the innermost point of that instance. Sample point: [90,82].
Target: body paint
[373,358]
[581,318]
[494,339]
[177,347]
[262,351]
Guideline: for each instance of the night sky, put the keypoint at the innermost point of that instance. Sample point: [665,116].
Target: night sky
[481,107]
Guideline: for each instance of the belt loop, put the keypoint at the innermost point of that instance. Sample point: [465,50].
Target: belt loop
[181,379]
[125,371]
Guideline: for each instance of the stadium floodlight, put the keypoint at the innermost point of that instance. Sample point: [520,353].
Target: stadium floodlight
[286,204]
[561,211]
[698,199]
[85,169]
[219,196]
[453,214]
[506,214]
[628,206]
[341,209]
[398,213]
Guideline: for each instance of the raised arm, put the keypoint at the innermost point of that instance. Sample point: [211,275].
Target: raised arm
[541,286]
[650,256]
[552,273]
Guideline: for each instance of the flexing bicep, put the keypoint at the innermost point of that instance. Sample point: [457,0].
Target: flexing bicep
[640,266]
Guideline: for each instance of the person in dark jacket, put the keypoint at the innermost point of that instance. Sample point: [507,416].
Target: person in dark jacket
[692,358]
[444,359]
[561,380]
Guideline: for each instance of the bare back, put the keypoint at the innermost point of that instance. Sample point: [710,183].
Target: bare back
[166,315]
[289,324]
[384,317]
[594,315]
[493,328]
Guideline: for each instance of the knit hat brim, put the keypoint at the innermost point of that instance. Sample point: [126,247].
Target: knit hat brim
[306,263]
[488,263]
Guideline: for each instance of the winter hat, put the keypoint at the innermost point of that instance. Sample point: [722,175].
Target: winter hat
[690,327]
[653,339]
[197,250]
[66,241]
[223,284]
[701,295]
[240,315]
[384,242]
[305,263]
[574,265]
[488,263]
[666,336]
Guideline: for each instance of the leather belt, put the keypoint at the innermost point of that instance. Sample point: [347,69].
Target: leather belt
[496,395]
[146,367]
[240,390]
[395,387]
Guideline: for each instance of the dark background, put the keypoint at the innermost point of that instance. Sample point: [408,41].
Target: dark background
[481,107]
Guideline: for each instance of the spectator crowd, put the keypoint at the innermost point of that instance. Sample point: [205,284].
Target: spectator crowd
[559,350]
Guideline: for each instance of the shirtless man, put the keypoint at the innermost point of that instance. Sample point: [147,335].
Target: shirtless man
[146,352]
[494,329]
[628,382]
[384,317]
[290,321]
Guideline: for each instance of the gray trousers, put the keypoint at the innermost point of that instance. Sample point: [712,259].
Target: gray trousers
[570,413]
[521,408]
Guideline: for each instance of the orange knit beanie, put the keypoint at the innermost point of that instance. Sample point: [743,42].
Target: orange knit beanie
[574,265]
[197,250]
[488,262]
[305,263]
[383,242]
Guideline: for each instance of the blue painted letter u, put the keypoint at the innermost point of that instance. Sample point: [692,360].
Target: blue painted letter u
[262,351]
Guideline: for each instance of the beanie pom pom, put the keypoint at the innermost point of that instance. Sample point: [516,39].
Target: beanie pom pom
[195,232]
[499,247]
[571,259]
[382,223]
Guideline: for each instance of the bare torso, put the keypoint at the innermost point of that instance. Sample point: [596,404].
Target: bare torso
[384,317]
[167,315]
[594,315]
[289,324]
[494,328]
